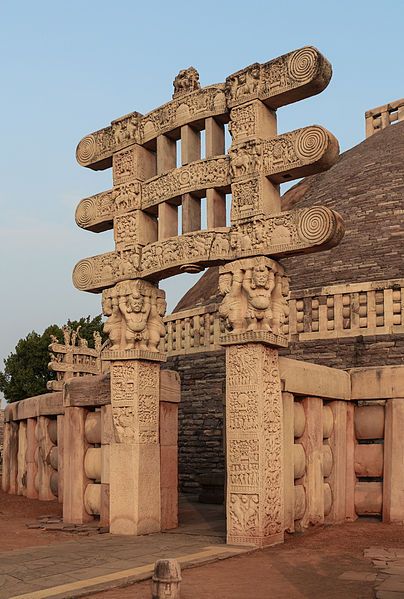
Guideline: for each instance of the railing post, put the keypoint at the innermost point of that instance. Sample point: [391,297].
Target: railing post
[75,479]
[393,482]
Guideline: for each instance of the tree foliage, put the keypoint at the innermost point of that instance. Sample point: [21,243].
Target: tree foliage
[26,369]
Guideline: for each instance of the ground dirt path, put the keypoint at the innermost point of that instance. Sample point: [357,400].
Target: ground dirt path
[307,566]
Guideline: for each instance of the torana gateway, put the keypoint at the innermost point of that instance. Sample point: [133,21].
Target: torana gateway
[289,426]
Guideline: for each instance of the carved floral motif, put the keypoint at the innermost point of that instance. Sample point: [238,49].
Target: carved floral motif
[244,514]
[272,427]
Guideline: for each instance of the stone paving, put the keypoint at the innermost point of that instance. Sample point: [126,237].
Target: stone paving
[102,561]
[98,562]
[389,579]
[94,562]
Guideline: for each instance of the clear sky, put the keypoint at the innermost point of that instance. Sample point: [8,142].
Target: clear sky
[69,68]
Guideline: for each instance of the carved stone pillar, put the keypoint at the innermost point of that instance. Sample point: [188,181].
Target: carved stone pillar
[135,458]
[253,446]
[254,309]
[135,328]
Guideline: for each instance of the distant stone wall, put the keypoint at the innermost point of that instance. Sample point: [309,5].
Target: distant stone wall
[200,435]
[354,352]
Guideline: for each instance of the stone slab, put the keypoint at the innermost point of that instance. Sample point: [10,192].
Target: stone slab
[88,391]
[49,404]
[303,378]
[377,382]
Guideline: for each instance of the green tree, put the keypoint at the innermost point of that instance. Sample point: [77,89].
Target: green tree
[26,369]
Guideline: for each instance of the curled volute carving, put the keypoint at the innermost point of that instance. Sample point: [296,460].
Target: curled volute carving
[255,295]
[135,311]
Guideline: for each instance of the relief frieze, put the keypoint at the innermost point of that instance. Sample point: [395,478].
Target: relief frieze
[96,213]
[285,79]
[296,154]
[297,231]
[200,175]
[95,150]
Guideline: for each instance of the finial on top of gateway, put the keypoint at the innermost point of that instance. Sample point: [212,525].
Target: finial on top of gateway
[186,81]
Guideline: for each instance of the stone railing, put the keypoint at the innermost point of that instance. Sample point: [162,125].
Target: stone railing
[341,442]
[375,308]
[57,445]
[33,449]
[381,117]
[342,445]
[193,331]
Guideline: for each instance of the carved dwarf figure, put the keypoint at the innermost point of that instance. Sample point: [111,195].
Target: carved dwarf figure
[259,283]
[135,310]
[233,306]
[280,306]
[255,295]
[110,308]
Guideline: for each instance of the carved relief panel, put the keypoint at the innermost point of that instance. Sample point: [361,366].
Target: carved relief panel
[254,445]
[255,300]
[134,311]
[135,401]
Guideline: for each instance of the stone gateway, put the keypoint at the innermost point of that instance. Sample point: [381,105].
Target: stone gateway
[142,208]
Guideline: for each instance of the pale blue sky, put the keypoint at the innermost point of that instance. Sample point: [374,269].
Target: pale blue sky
[69,68]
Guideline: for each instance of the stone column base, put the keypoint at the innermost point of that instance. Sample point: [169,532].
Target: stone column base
[134,489]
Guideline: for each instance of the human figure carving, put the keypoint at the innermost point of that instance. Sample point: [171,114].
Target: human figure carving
[255,296]
[259,284]
[156,325]
[233,306]
[66,334]
[280,306]
[113,325]
[135,310]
